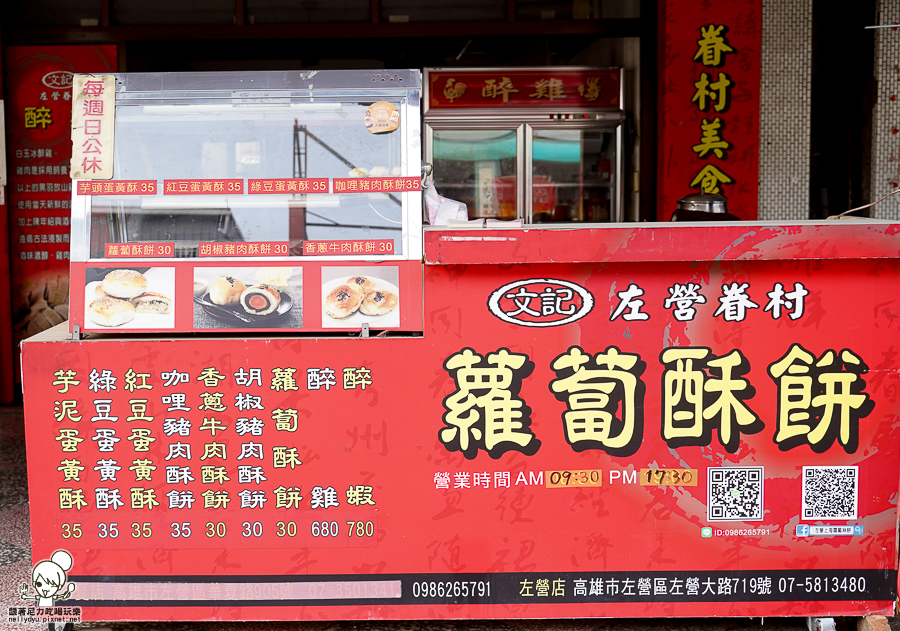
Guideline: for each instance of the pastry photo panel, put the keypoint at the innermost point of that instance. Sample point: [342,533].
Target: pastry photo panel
[357,294]
[236,297]
[129,298]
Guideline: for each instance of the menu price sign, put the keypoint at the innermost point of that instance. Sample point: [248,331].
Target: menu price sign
[336,248]
[737,416]
[202,187]
[254,249]
[281,186]
[376,184]
[139,250]
[117,187]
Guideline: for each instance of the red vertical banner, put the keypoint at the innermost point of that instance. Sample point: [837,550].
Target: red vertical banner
[39,148]
[709,103]
[7,388]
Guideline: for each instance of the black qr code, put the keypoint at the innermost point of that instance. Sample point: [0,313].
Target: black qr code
[830,492]
[735,494]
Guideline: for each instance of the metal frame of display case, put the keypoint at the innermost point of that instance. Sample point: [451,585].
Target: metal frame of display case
[524,121]
[279,89]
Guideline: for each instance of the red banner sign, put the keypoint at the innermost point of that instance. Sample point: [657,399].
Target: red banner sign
[619,439]
[709,104]
[39,144]
[376,184]
[116,187]
[258,248]
[141,250]
[281,186]
[334,248]
[202,187]
[504,88]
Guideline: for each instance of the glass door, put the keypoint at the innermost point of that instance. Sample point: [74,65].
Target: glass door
[480,167]
[574,174]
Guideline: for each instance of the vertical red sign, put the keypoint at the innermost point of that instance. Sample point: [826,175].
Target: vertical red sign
[709,103]
[39,147]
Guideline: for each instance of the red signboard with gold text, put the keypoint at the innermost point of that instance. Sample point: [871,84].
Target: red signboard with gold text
[645,434]
[506,88]
[39,146]
[709,103]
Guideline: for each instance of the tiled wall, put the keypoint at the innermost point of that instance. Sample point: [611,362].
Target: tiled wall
[886,116]
[784,109]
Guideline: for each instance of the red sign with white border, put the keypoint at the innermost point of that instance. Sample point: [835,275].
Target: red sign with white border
[202,187]
[248,249]
[139,250]
[376,184]
[282,186]
[340,248]
[116,187]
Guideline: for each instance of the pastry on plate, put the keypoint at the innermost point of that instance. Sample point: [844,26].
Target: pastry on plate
[226,290]
[342,301]
[124,283]
[361,284]
[152,302]
[378,302]
[260,299]
[111,312]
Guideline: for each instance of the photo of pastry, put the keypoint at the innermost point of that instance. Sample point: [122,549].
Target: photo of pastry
[353,295]
[248,297]
[130,298]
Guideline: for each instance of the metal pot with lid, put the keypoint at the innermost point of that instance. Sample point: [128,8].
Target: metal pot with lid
[702,207]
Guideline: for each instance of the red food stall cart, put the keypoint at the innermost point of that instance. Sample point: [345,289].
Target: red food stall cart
[602,421]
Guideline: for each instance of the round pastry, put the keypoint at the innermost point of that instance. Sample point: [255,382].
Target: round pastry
[226,290]
[361,284]
[260,299]
[111,312]
[124,283]
[99,293]
[151,302]
[378,302]
[342,301]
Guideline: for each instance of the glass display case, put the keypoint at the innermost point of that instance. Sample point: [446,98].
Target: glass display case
[265,171]
[541,145]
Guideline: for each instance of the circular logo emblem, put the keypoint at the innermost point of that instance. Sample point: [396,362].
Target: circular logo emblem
[541,302]
[58,80]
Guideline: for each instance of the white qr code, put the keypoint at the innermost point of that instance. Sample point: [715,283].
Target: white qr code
[830,492]
[735,494]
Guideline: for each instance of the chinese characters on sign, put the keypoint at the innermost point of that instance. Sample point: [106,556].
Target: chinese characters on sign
[542,302]
[264,248]
[202,187]
[594,88]
[150,250]
[39,140]
[376,184]
[117,187]
[212,450]
[281,186]
[93,126]
[820,400]
[712,96]
[335,248]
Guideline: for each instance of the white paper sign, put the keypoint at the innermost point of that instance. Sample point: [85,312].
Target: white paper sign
[93,126]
